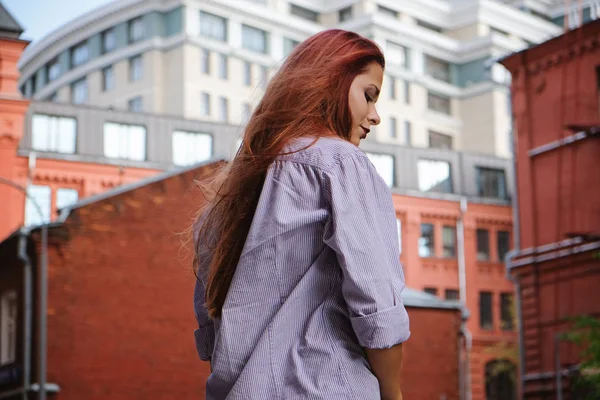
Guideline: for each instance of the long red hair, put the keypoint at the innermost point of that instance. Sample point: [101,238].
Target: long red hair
[308,96]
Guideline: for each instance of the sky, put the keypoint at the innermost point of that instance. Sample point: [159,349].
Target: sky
[40,17]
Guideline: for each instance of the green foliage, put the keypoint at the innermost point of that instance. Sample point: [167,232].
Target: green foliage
[585,333]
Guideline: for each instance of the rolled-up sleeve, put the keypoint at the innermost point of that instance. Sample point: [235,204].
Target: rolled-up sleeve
[362,231]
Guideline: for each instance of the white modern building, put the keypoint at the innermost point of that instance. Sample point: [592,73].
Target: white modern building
[210,59]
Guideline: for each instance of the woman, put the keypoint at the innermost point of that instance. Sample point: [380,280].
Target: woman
[297,254]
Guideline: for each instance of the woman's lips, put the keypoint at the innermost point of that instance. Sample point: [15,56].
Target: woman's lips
[366,131]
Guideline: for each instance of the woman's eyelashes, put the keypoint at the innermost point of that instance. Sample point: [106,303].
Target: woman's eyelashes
[369,99]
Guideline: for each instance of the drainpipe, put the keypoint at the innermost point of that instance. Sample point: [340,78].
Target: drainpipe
[558,372]
[508,258]
[462,284]
[27,307]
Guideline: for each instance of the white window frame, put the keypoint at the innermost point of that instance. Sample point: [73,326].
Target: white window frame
[385,166]
[53,133]
[38,195]
[120,141]
[190,148]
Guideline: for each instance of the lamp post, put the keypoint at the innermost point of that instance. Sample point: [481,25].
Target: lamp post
[43,295]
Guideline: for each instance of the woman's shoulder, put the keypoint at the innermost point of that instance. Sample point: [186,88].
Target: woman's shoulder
[324,152]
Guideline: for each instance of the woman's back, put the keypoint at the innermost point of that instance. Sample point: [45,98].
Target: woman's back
[318,279]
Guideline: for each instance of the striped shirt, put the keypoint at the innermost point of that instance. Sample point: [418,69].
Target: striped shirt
[319,278]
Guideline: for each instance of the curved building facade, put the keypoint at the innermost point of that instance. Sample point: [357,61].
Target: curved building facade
[210,60]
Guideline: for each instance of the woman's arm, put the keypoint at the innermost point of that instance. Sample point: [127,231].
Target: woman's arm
[386,365]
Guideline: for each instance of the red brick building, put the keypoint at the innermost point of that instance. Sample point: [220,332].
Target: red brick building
[557,120]
[120,315]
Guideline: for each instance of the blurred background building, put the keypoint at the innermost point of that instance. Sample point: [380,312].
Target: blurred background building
[134,88]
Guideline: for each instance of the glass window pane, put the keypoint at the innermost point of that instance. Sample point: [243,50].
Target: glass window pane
[438,103]
[434,176]
[449,241]
[66,197]
[213,26]
[483,245]
[111,140]
[396,54]
[254,39]
[304,13]
[439,140]
[66,135]
[51,133]
[191,147]
[485,310]
[289,45]
[491,182]
[137,143]
[437,69]
[384,164]
[426,241]
[503,244]
[37,196]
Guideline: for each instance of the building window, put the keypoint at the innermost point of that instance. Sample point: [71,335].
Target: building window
[136,104]
[191,147]
[223,109]
[429,26]
[437,69]
[407,133]
[289,45]
[37,196]
[452,294]
[396,54]
[384,164]
[264,76]
[205,104]
[223,66]
[438,103]
[53,97]
[399,228]
[491,182]
[79,54]
[449,241]
[485,310]
[503,244]
[136,68]
[79,91]
[393,127]
[212,26]
[426,243]
[304,13]
[125,141]
[406,92]
[109,41]
[136,30]
[66,197]
[506,311]
[8,327]
[108,80]
[345,14]
[254,39]
[392,86]
[434,176]
[431,290]
[53,70]
[246,110]
[247,73]
[205,61]
[483,245]
[440,141]
[500,380]
[51,133]
[387,11]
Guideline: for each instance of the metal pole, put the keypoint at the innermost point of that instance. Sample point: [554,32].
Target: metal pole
[43,290]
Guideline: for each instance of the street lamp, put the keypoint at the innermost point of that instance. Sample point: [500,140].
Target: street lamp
[43,295]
